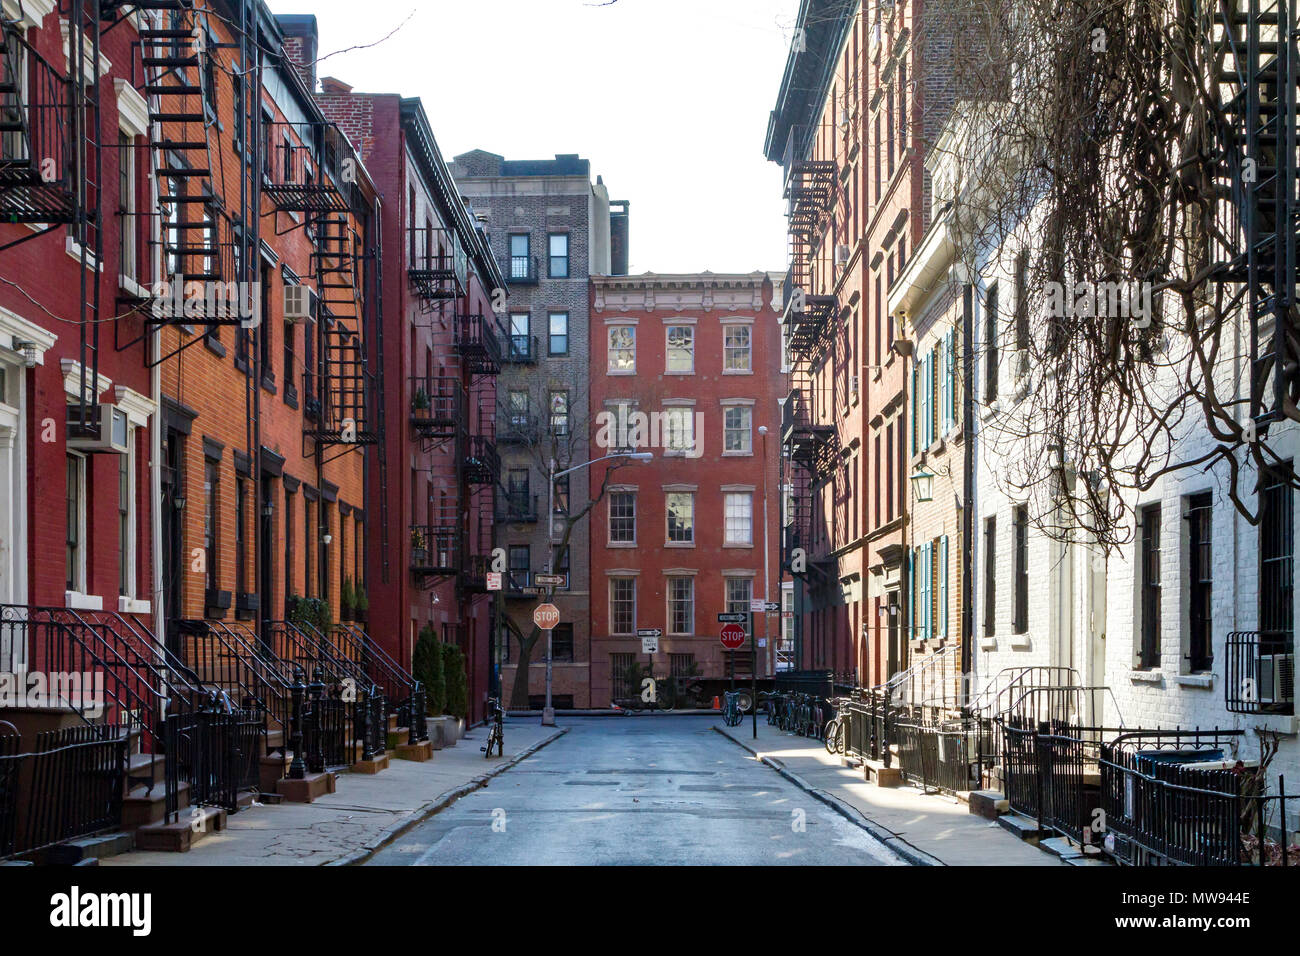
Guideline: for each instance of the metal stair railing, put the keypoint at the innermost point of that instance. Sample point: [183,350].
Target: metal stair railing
[400,687]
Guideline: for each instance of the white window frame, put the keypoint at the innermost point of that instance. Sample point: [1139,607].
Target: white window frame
[132,513]
[609,531]
[610,350]
[669,348]
[79,558]
[747,429]
[669,601]
[613,580]
[668,541]
[747,350]
[728,499]
[675,429]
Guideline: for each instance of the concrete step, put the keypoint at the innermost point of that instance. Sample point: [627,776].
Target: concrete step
[180,836]
[90,848]
[310,788]
[1024,827]
[142,807]
[989,804]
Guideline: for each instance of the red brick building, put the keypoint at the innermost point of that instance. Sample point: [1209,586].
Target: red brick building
[434,484]
[686,367]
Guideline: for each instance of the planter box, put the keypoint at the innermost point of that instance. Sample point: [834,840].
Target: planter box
[445,731]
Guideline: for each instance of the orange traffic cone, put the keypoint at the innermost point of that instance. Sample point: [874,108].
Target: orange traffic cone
[716,704]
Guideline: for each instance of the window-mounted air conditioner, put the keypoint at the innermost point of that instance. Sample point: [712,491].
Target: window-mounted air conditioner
[841,255]
[106,430]
[845,118]
[1277,678]
[853,386]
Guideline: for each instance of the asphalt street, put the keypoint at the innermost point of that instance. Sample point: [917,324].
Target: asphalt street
[637,790]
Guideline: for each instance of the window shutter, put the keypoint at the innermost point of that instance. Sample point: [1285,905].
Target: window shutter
[943,585]
[911,592]
[929,402]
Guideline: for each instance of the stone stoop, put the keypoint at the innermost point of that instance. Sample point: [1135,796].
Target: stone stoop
[372,766]
[194,824]
[875,771]
[1024,827]
[95,848]
[419,752]
[989,804]
[310,788]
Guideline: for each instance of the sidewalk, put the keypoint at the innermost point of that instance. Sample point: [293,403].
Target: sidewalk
[940,826]
[366,811]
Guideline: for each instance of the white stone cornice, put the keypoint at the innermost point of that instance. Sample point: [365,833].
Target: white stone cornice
[29,13]
[139,408]
[72,378]
[132,110]
[19,329]
[88,68]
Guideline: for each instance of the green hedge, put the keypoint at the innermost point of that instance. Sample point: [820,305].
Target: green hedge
[427,665]
[453,665]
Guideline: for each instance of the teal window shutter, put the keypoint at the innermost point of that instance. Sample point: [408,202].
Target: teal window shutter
[911,592]
[929,408]
[915,399]
[926,590]
[943,585]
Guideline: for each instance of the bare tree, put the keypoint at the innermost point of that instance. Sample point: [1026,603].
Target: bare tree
[1097,157]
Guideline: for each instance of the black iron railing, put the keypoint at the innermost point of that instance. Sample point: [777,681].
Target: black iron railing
[523,270]
[38,159]
[437,549]
[478,344]
[521,349]
[517,507]
[217,753]
[1260,672]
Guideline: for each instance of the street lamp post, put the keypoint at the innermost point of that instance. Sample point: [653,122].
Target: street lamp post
[767,582]
[548,712]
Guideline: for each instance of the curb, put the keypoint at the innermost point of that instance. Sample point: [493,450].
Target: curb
[437,805]
[889,838]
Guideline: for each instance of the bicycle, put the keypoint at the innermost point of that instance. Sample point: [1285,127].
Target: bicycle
[731,713]
[835,727]
[496,729]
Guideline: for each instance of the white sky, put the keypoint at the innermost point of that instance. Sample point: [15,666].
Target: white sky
[669,99]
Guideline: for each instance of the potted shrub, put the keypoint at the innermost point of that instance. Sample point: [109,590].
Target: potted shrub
[419,547]
[453,666]
[362,608]
[347,600]
[426,665]
[313,611]
[420,401]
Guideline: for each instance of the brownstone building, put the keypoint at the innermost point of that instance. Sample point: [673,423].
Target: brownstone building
[687,368]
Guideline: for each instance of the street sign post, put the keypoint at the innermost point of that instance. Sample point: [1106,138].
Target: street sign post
[551,580]
[546,616]
[649,632]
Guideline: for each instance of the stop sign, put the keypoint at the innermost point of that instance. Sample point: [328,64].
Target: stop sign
[546,616]
[733,635]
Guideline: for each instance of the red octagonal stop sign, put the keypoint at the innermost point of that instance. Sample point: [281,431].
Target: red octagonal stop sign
[733,635]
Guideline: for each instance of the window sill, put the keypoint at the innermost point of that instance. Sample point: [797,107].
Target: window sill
[130,605]
[81,601]
[742,546]
[214,346]
[1203,681]
[1020,642]
[671,372]
[621,544]
[988,643]
[131,287]
[737,371]
[1146,676]
[679,544]
[738,454]
[990,409]
[621,371]
[290,396]
[241,364]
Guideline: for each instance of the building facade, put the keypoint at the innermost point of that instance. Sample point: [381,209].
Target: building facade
[555,228]
[687,368]
[438,472]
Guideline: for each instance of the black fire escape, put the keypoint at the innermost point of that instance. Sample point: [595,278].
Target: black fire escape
[809,437]
[1256,43]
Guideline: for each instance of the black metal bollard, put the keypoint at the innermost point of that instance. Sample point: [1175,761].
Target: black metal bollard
[361,725]
[298,768]
[315,759]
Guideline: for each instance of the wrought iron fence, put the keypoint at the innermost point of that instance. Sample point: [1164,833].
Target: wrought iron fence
[217,753]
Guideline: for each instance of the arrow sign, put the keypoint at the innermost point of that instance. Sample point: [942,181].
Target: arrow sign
[733,635]
[738,617]
[551,580]
[649,632]
[771,606]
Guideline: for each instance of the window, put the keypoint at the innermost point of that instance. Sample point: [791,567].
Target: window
[681,605]
[126,519]
[521,563]
[241,536]
[519,334]
[288,545]
[559,333]
[737,349]
[679,429]
[621,669]
[622,348]
[521,259]
[1022,301]
[738,517]
[211,489]
[561,496]
[559,413]
[562,645]
[622,517]
[681,665]
[680,506]
[681,349]
[559,258]
[265,345]
[1201,578]
[127,224]
[622,605]
[1020,527]
[737,430]
[288,371]
[562,567]
[991,344]
[326,526]
[1276,563]
[517,403]
[1149,650]
[310,533]
[75,515]
[517,498]
[740,591]
[990,576]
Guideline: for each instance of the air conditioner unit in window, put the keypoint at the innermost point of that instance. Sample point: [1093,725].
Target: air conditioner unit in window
[853,386]
[1277,678]
[105,430]
[841,255]
[845,118]
[299,302]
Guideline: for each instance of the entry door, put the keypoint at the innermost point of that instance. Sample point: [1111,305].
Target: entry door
[266,551]
[173,559]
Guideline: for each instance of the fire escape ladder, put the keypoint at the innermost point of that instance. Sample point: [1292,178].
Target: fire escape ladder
[344,379]
[196,238]
[1256,41]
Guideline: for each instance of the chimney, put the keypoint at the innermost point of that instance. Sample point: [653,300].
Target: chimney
[332,84]
[301,45]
